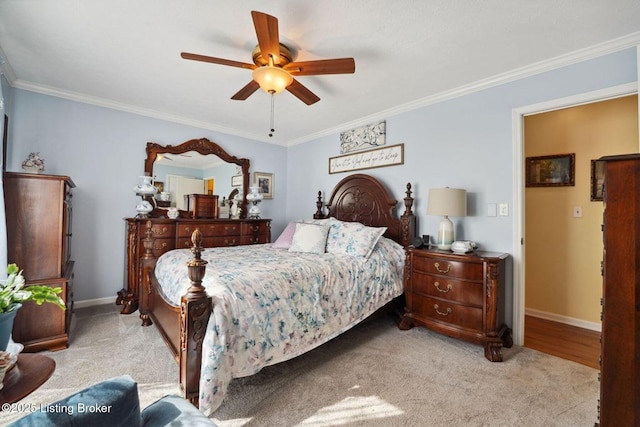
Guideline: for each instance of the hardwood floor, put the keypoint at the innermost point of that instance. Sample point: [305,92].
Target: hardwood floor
[561,340]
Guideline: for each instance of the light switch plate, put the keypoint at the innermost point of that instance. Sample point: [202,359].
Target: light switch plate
[492,209]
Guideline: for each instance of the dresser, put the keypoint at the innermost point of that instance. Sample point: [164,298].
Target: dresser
[176,234]
[620,354]
[39,213]
[459,295]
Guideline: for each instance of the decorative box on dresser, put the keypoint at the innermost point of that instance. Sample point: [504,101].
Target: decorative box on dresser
[39,212]
[459,295]
[176,233]
[620,354]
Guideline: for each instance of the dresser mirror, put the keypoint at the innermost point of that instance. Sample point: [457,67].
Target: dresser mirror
[196,160]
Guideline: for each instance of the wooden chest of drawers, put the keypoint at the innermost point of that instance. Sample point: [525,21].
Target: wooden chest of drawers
[201,205]
[460,295]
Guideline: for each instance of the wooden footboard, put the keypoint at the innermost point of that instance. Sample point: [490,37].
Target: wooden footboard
[182,328]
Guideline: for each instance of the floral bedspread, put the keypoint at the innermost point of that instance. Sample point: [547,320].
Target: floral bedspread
[271,305]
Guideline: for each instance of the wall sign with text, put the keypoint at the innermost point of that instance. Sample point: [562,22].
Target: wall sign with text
[380,157]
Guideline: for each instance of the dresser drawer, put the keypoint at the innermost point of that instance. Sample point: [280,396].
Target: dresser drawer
[161,230]
[210,230]
[161,246]
[210,242]
[441,266]
[450,289]
[254,240]
[254,228]
[445,311]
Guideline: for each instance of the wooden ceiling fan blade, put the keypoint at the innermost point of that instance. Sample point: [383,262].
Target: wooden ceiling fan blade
[214,60]
[246,91]
[324,66]
[267,32]
[302,93]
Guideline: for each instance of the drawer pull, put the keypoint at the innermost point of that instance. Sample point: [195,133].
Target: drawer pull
[436,306]
[449,287]
[437,265]
[230,242]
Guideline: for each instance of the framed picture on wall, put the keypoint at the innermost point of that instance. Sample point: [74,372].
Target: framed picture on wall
[236,181]
[556,170]
[597,180]
[264,182]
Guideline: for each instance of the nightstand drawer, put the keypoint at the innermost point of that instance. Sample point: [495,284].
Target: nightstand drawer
[445,311]
[439,266]
[444,287]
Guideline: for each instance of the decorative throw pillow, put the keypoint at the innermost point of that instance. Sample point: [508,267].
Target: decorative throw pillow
[353,238]
[113,402]
[285,238]
[311,238]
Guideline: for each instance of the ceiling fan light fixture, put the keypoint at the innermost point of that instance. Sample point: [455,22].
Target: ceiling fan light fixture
[272,79]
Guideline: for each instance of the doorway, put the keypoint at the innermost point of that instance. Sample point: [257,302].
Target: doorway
[520,248]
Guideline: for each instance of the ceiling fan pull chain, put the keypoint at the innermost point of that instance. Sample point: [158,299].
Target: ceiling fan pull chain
[271,121]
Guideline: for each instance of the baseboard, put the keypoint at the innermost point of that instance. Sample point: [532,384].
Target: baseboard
[92,302]
[584,324]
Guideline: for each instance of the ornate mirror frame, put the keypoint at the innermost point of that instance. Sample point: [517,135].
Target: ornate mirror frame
[202,146]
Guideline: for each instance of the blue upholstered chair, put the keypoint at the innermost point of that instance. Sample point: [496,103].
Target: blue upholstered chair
[115,403]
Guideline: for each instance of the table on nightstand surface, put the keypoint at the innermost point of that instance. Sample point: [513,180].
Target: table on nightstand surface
[459,295]
[29,373]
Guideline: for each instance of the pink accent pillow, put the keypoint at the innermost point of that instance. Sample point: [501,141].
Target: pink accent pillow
[285,238]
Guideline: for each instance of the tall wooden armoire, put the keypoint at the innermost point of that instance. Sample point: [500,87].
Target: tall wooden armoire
[620,357]
[38,210]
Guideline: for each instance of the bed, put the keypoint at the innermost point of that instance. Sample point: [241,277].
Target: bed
[228,312]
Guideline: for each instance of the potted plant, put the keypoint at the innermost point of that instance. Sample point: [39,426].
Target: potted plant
[14,292]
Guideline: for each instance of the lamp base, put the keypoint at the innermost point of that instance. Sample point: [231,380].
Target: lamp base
[445,234]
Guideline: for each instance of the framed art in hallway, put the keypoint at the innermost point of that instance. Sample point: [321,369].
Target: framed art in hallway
[264,182]
[556,170]
[597,180]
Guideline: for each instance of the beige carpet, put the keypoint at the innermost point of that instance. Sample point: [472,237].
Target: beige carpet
[374,375]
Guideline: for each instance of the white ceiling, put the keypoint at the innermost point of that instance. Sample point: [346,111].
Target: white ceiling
[126,54]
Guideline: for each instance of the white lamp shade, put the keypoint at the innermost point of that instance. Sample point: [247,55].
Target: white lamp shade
[447,202]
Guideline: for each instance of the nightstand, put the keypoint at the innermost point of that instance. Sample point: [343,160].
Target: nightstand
[459,295]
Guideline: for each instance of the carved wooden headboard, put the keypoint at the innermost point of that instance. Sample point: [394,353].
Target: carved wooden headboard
[362,198]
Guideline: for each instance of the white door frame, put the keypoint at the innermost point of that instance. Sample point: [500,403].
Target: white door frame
[517,117]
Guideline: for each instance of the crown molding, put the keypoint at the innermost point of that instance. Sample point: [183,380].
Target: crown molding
[611,46]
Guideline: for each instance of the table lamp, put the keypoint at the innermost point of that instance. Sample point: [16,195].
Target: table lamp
[447,202]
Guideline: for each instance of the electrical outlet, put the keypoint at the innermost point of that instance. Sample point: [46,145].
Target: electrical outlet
[504,209]
[577,211]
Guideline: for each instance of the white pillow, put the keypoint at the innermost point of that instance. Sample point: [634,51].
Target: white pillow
[353,238]
[310,238]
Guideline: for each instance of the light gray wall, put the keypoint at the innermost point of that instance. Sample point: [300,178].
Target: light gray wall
[103,151]
[465,142]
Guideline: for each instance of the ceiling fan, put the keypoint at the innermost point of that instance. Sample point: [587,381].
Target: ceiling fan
[273,66]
